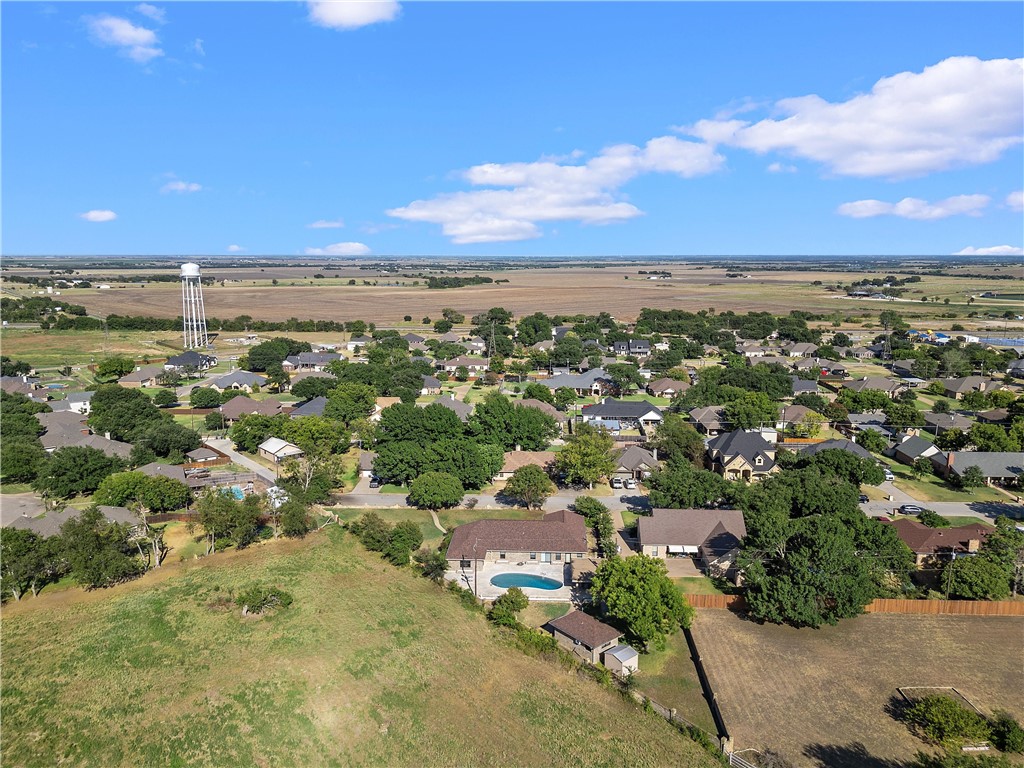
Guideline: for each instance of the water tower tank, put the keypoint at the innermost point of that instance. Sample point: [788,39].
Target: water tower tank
[190,270]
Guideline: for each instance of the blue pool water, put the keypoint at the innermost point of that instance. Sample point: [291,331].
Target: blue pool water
[530,580]
[236,491]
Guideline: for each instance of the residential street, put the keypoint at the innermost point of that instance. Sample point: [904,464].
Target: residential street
[225,446]
[983,510]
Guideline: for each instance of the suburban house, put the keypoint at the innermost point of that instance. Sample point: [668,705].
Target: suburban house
[54,440]
[709,420]
[891,387]
[931,546]
[449,338]
[873,420]
[999,467]
[203,455]
[627,412]
[635,463]
[516,459]
[190,361]
[380,404]
[366,463]
[246,381]
[1016,368]
[913,448]
[940,423]
[593,382]
[462,410]
[547,408]
[632,348]
[431,385]
[800,348]
[791,415]
[827,367]
[143,376]
[49,524]
[310,361]
[23,385]
[79,402]
[957,388]
[303,375]
[356,343]
[312,407]
[278,450]
[863,353]
[413,338]
[583,635]
[622,660]
[666,387]
[838,444]
[475,365]
[800,386]
[240,406]
[558,537]
[476,344]
[713,535]
[741,456]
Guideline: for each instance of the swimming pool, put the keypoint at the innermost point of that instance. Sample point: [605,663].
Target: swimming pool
[529,580]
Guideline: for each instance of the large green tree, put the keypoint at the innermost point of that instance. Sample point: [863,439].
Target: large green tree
[21,458]
[124,413]
[436,490]
[98,552]
[530,486]
[680,486]
[586,458]
[75,470]
[638,592]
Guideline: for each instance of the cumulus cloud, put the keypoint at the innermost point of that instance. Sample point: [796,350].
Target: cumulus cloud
[550,191]
[962,111]
[339,249]
[994,250]
[137,43]
[98,216]
[915,208]
[781,168]
[326,224]
[158,15]
[352,14]
[235,249]
[181,187]
[1015,201]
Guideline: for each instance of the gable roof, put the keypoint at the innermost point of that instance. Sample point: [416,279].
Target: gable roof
[240,406]
[746,444]
[965,383]
[561,531]
[998,464]
[192,358]
[803,385]
[609,408]
[547,408]
[145,373]
[923,540]
[948,420]
[49,524]
[717,530]
[239,378]
[279,447]
[314,407]
[516,459]
[874,382]
[584,380]
[585,629]
[665,384]
[913,447]
[462,410]
[711,416]
[634,457]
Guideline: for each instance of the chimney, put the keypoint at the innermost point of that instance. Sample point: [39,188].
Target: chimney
[973,545]
[654,452]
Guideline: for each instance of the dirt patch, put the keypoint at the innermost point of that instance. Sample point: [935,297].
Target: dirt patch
[822,697]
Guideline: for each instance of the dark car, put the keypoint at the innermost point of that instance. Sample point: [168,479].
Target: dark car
[374,482]
[911,509]
[863,498]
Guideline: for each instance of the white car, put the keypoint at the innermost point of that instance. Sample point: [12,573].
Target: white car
[616,482]
[631,484]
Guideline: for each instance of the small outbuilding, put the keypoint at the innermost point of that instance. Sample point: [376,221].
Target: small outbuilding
[278,450]
[622,660]
[583,635]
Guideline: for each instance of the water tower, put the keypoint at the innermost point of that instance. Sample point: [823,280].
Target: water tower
[192,310]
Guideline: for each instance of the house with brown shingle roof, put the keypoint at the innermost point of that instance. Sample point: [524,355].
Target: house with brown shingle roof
[240,406]
[516,459]
[709,420]
[713,535]
[932,546]
[667,387]
[558,537]
[583,635]
[547,408]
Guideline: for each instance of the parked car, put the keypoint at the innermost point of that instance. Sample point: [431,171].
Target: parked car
[630,484]
[911,509]
[374,482]
[889,475]
[863,498]
[616,482]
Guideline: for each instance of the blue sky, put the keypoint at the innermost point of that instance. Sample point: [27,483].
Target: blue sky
[522,128]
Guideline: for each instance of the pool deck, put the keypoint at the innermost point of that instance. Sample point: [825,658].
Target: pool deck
[487,591]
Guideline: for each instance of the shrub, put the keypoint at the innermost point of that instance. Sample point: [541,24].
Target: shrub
[260,599]
[1007,734]
[945,722]
[504,612]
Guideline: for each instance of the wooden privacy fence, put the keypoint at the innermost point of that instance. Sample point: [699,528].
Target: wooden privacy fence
[932,607]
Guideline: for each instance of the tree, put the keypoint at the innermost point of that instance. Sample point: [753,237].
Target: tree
[921,466]
[21,458]
[165,438]
[972,477]
[114,367]
[436,490]
[75,470]
[123,412]
[462,373]
[313,386]
[586,458]
[164,398]
[975,578]
[676,440]
[204,397]
[903,415]
[943,721]
[638,592]
[1007,734]
[625,377]
[349,402]
[530,486]
[871,440]
[531,429]
[21,561]
[535,391]
[1005,546]
[567,350]
[432,564]
[399,461]
[226,520]
[991,437]
[99,553]
[975,401]
[952,440]
[565,398]
[808,426]
[135,489]
[10,367]
[505,610]
[681,486]
[752,410]
[404,537]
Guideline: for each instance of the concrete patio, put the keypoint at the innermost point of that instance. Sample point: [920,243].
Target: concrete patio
[485,590]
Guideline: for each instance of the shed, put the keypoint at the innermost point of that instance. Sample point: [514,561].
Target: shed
[583,635]
[623,660]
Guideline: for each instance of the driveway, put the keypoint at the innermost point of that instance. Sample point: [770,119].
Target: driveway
[226,447]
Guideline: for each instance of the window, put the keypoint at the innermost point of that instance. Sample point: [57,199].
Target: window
[533,555]
[501,555]
[464,564]
[759,461]
[558,556]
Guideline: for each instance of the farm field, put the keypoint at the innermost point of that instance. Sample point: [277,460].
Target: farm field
[164,671]
[610,287]
[820,696]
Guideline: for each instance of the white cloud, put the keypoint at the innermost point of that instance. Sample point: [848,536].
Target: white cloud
[235,249]
[197,46]
[181,187]
[549,191]
[339,249]
[137,43]
[781,168]
[1015,201]
[98,216]
[962,111]
[352,14]
[326,224]
[158,15]
[994,250]
[915,208]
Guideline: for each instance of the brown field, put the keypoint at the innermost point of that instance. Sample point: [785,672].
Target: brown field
[820,696]
[552,290]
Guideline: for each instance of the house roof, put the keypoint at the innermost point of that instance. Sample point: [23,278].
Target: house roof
[516,459]
[794,413]
[145,373]
[155,469]
[717,530]
[239,379]
[547,408]
[623,653]
[874,382]
[16,506]
[711,416]
[666,384]
[609,408]
[413,338]
[913,447]
[192,358]
[634,457]
[61,420]
[467,361]
[279,447]
[79,397]
[838,444]
[997,464]
[314,358]
[964,384]
[994,416]
[584,380]
[314,407]
[303,375]
[240,406]
[923,540]
[431,382]
[366,460]
[561,531]
[462,410]
[71,438]
[746,444]
[803,385]
[948,420]
[360,340]
[200,454]
[585,629]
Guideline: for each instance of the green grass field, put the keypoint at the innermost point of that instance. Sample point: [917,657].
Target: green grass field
[370,666]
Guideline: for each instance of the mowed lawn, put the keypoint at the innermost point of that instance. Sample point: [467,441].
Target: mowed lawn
[820,696]
[369,666]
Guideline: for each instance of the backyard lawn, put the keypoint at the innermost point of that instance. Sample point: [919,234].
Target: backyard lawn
[670,678]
